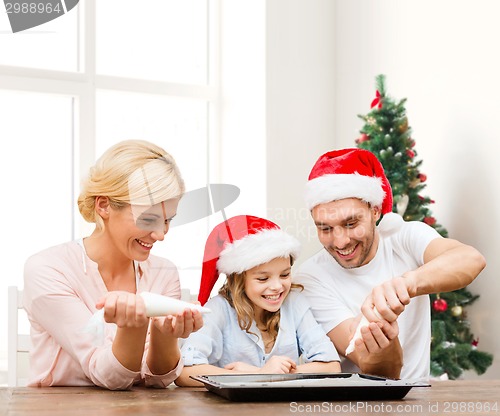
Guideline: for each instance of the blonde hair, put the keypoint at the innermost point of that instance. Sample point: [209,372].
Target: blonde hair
[132,172]
[233,291]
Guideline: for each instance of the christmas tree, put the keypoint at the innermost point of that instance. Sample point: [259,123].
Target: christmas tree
[387,134]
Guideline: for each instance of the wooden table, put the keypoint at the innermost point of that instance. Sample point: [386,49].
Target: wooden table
[478,397]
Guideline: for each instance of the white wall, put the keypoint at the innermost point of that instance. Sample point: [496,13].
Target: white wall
[322,60]
[242,127]
[300,100]
[440,56]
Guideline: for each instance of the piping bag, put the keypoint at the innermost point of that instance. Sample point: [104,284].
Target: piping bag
[357,333]
[159,305]
[156,305]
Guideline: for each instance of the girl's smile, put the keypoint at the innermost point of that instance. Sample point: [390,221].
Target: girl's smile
[268,284]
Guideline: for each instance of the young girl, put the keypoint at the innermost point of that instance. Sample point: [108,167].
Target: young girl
[131,194]
[260,322]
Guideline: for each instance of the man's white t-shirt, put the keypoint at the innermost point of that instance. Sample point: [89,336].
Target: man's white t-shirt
[336,294]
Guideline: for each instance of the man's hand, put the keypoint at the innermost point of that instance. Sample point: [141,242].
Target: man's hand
[378,351]
[390,299]
[375,337]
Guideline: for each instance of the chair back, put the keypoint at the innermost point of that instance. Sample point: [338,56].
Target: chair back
[19,344]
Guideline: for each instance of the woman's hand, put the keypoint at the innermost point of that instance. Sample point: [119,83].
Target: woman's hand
[180,325]
[128,312]
[125,309]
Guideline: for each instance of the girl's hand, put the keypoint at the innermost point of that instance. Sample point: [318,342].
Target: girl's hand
[242,367]
[124,309]
[180,325]
[278,364]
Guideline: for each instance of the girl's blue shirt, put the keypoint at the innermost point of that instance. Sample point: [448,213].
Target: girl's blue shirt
[221,340]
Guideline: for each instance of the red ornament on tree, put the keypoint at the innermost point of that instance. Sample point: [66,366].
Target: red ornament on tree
[410,153]
[440,305]
[430,220]
[363,138]
[422,177]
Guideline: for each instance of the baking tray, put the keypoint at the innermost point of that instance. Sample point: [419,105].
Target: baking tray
[307,386]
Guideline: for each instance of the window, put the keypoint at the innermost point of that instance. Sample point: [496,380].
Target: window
[37,188]
[106,71]
[164,40]
[53,45]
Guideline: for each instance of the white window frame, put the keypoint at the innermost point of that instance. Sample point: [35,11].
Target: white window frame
[82,86]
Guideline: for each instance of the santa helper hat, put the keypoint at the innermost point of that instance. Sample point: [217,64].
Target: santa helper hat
[349,173]
[240,243]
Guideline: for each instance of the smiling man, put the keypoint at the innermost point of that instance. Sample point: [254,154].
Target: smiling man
[376,264]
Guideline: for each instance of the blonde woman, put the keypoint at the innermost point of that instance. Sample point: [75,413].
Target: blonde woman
[260,322]
[131,194]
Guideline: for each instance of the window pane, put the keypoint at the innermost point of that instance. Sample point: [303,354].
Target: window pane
[52,45]
[164,40]
[177,125]
[35,171]
[180,127]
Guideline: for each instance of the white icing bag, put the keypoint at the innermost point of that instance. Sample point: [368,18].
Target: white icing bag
[357,333]
[159,305]
[156,305]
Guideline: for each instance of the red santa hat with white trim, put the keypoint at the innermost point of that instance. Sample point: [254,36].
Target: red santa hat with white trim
[349,173]
[239,244]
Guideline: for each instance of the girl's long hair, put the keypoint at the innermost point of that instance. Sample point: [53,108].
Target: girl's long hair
[233,291]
